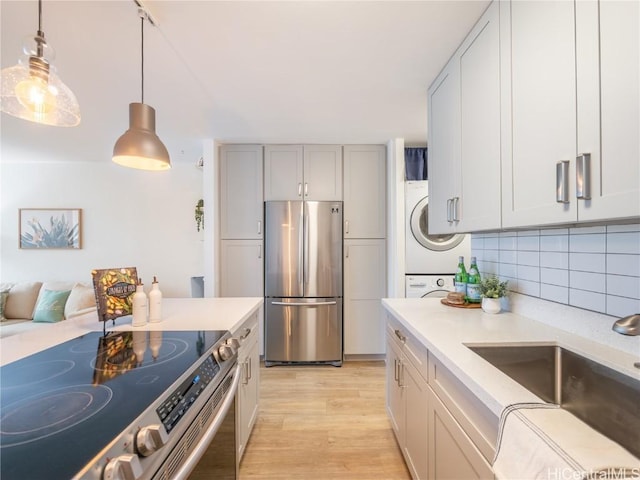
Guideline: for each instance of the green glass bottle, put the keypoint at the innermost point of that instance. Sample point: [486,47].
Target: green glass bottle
[473,283]
[460,280]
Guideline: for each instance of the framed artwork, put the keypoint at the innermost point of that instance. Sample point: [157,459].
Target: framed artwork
[50,228]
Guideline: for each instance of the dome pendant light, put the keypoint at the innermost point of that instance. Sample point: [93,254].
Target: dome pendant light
[139,147]
[32,91]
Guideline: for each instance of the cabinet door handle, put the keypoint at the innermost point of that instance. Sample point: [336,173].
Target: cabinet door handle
[346,226]
[299,189]
[449,204]
[402,338]
[401,383]
[259,251]
[306,189]
[583,176]
[395,369]
[455,209]
[259,227]
[250,370]
[347,252]
[245,375]
[562,181]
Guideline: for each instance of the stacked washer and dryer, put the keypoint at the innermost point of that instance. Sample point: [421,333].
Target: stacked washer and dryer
[430,260]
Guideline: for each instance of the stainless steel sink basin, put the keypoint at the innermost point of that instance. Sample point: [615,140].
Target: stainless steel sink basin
[605,399]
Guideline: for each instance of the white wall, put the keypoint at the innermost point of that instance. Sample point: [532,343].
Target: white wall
[129,218]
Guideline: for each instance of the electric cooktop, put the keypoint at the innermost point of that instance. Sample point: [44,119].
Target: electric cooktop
[60,407]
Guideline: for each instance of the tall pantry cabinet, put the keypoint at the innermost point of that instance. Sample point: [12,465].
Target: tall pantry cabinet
[364,248]
[241,222]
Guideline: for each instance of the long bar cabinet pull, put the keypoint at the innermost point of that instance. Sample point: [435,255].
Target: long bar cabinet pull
[583,176]
[562,181]
[449,203]
[299,189]
[455,209]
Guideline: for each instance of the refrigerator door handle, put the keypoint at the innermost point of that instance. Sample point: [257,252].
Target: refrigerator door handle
[306,245]
[303,304]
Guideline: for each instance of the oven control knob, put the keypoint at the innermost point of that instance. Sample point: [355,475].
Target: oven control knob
[226,352]
[124,467]
[150,439]
[234,343]
[440,282]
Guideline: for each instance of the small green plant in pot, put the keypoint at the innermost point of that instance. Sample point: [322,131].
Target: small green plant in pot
[492,290]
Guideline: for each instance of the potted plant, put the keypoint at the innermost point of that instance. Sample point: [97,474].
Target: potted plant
[199,214]
[492,290]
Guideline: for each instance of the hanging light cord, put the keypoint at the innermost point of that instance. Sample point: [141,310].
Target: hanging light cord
[142,53]
[40,35]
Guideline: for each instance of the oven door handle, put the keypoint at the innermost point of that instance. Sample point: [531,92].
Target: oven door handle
[187,467]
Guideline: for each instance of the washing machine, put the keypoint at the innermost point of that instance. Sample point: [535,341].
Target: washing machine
[427,254]
[418,286]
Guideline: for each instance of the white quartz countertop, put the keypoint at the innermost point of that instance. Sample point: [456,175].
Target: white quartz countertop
[446,331]
[177,314]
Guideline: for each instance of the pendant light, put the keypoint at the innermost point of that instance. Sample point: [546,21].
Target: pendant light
[139,147]
[32,91]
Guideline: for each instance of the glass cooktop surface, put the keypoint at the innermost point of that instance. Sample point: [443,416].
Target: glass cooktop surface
[60,407]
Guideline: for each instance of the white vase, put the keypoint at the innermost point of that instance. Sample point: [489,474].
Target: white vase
[491,305]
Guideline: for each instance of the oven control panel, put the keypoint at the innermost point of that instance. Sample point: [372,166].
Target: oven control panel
[175,405]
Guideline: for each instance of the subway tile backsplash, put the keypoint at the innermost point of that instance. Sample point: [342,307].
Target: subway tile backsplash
[594,268]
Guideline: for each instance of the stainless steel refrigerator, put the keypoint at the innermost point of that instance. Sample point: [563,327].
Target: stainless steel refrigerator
[303,282]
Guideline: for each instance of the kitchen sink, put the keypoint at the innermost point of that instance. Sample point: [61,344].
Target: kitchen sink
[605,399]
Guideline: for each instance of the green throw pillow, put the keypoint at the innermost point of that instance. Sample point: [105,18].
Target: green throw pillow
[3,299]
[50,307]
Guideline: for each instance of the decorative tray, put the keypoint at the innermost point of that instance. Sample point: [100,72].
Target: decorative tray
[458,305]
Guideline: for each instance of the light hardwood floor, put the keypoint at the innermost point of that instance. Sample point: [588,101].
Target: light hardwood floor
[323,422]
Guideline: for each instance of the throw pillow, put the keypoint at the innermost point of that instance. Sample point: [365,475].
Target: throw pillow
[50,307]
[82,297]
[22,300]
[3,299]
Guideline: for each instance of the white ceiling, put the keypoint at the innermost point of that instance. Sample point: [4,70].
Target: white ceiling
[237,71]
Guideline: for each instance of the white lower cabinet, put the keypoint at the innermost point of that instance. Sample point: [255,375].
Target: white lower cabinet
[451,453]
[249,388]
[407,401]
[364,287]
[241,264]
[434,444]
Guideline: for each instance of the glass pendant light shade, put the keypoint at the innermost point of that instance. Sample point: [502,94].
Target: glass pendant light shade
[32,91]
[139,147]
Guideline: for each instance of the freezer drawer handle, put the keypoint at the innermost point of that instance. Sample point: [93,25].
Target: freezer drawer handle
[302,304]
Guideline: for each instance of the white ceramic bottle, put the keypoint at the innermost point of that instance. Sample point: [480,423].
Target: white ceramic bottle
[155,302]
[140,306]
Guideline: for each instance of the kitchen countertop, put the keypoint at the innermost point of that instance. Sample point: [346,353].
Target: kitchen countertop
[177,314]
[445,332]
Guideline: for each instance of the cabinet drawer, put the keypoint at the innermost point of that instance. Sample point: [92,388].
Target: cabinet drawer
[415,352]
[478,422]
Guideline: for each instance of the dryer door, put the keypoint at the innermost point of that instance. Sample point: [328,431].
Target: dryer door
[419,221]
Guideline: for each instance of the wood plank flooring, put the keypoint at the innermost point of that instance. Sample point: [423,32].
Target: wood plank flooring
[323,422]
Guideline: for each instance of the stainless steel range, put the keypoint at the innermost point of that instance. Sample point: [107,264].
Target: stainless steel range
[125,405]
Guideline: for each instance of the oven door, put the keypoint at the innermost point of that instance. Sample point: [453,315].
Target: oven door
[208,448]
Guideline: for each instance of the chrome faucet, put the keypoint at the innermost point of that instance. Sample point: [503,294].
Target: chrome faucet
[629,325]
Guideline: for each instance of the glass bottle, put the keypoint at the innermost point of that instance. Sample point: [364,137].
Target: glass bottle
[460,280]
[473,283]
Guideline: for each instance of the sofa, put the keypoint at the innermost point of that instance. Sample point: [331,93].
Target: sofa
[29,305]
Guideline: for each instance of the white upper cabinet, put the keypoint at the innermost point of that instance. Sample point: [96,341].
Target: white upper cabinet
[539,103]
[322,172]
[241,192]
[464,134]
[241,266]
[570,87]
[608,67]
[364,191]
[443,156]
[283,178]
[296,172]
